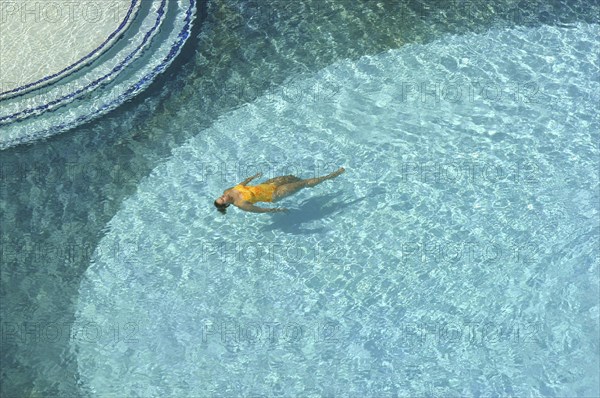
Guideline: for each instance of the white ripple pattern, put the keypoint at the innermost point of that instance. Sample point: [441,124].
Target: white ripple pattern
[456,256]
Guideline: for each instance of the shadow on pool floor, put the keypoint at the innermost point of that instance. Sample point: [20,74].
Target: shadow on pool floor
[313,209]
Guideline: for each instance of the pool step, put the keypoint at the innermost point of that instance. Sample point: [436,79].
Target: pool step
[152,40]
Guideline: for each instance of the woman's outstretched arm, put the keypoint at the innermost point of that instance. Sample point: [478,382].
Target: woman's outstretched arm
[247,206]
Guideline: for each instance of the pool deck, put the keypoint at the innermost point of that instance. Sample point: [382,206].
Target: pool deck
[41,42]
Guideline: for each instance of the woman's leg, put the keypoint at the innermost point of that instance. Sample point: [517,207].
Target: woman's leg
[283,180]
[293,187]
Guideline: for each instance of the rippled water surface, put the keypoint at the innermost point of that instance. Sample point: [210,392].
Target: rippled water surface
[457,256]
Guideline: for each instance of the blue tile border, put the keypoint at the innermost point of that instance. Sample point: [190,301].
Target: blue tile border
[160,13]
[182,37]
[16,91]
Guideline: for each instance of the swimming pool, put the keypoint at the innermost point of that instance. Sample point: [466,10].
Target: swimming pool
[457,256]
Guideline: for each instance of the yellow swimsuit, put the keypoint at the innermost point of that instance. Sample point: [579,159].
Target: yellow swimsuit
[257,193]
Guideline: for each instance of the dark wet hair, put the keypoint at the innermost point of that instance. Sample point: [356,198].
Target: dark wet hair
[221,208]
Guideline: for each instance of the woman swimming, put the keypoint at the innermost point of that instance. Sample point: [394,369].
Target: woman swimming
[244,196]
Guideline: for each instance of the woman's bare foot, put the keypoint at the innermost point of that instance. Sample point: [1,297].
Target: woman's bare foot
[335,173]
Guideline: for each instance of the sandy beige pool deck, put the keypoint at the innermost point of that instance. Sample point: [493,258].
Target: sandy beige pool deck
[42,41]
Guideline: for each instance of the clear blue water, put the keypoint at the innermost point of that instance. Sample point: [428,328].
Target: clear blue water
[460,245]
[457,256]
